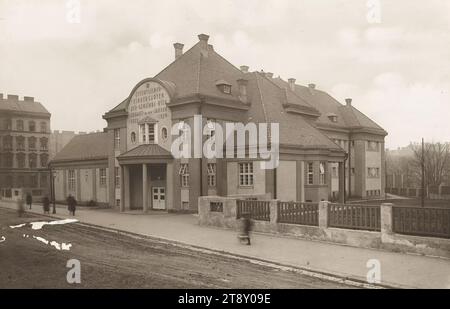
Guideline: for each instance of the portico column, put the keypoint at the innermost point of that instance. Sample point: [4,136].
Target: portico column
[341,182]
[144,187]
[122,189]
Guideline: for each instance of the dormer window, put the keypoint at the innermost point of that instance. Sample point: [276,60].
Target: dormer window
[333,117]
[224,86]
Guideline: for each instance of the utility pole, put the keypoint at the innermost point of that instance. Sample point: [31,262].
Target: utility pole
[423,174]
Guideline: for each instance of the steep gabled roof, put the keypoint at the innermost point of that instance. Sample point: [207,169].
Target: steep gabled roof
[93,146]
[267,106]
[15,105]
[348,117]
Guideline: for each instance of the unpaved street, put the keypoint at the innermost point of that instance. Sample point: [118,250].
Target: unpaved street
[112,260]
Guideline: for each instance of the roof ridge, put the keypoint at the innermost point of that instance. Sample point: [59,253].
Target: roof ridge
[261,97]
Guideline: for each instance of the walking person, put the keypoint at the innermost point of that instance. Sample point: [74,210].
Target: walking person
[246,227]
[46,205]
[29,200]
[71,204]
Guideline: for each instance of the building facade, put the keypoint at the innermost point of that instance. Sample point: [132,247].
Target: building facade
[326,150]
[24,147]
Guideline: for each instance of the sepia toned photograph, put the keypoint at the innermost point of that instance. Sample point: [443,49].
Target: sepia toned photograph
[224,145]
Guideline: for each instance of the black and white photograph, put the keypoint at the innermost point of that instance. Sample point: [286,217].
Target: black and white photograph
[224,145]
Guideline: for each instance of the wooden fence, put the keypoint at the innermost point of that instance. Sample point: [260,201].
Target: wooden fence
[419,221]
[358,217]
[258,210]
[298,213]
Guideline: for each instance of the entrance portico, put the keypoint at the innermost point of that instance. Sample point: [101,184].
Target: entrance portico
[146,178]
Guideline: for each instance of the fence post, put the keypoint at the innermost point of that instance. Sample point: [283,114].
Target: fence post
[323,214]
[386,219]
[273,211]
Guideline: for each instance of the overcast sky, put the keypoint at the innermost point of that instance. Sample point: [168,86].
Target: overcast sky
[394,65]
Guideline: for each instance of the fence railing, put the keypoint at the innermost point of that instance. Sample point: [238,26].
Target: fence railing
[258,210]
[418,221]
[358,217]
[298,213]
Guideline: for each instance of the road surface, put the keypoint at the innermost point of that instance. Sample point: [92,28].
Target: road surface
[113,260]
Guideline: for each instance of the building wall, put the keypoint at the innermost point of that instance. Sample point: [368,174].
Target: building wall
[287,181]
[87,184]
[233,187]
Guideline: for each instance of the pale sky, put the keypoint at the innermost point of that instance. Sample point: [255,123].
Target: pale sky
[394,65]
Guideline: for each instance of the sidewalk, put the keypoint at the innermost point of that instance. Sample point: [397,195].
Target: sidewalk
[397,269]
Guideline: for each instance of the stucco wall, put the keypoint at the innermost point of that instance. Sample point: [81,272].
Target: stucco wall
[287,181]
[259,179]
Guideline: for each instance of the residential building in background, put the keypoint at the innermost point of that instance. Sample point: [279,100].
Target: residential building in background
[328,150]
[24,147]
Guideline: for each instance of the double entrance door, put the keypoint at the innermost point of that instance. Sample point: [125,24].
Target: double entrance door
[158,197]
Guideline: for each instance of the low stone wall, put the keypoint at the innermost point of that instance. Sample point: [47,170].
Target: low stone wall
[385,239]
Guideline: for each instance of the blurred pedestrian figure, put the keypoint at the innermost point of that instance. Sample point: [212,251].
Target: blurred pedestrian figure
[246,227]
[20,206]
[46,204]
[71,204]
[29,199]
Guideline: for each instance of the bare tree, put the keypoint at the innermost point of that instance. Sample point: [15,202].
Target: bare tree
[436,160]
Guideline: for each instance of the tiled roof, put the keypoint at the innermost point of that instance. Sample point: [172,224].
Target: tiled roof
[198,71]
[147,150]
[83,147]
[348,116]
[267,107]
[16,105]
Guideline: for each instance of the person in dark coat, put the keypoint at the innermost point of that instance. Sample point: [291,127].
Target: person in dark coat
[71,204]
[46,204]
[246,227]
[29,199]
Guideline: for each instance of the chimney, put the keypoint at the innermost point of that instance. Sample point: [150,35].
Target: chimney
[28,99]
[204,43]
[13,97]
[210,47]
[244,68]
[312,86]
[291,84]
[348,101]
[243,89]
[269,74]
[178,50]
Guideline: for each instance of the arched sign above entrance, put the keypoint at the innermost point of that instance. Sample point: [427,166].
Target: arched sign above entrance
[148,101]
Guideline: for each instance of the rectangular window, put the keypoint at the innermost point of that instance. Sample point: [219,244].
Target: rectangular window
[117,177]
[334,173]
[353,171]
[142,133]
[151,133]
[246,174]
[211,167]
[184,175]
[322,177]
[103,177]
[117,139]
[310,173]
[71,180]
[118,202]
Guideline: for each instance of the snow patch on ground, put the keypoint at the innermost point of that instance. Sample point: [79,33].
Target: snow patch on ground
[39,224]
[58,246]
[17,226]
[2,239]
